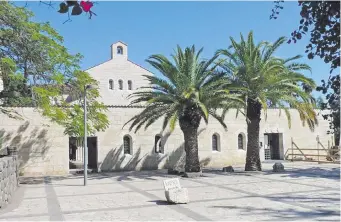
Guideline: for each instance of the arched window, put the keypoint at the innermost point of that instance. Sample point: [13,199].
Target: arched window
[127,144]
[215,142]
[111,84]
[130,85]
[120,84]
[119,50]
[157,144]
[241,141]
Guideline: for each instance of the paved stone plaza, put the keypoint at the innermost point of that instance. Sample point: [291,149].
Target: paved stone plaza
[305,191]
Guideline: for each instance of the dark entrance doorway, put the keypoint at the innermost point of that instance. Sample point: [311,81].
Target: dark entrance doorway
[92,153]
[273,146]
[76,153]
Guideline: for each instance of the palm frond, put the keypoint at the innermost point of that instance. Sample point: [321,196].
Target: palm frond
[273,47]
[219,118]
[263,77]
[292,58]
[188,82]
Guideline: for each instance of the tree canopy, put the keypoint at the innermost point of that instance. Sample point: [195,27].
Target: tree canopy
[41,71]
[190,83]
[322,20]
[331,88]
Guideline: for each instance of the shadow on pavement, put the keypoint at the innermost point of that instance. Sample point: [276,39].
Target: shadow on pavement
[293,172]
[161,202]
[281,214]
[313,172]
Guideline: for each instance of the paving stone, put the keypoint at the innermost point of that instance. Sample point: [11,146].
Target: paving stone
[155,213]
[39,218]
[303,192]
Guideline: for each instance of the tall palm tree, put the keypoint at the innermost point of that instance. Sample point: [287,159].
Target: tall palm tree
[266,81]
[189,90]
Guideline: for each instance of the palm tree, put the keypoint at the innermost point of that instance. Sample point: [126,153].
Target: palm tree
[265,80]
[189,90]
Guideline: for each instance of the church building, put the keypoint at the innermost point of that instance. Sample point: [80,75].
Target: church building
[45,150]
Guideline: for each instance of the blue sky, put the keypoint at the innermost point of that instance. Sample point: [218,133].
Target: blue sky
[157,27]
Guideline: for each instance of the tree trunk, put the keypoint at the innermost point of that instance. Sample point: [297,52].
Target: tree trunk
[191,149]
[189,124]
[252,154]
[337,137]
[336,126]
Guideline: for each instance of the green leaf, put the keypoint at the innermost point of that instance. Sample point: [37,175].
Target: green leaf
[204,110]
[172,121]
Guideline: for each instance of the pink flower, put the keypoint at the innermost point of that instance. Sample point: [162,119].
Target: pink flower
[86,6]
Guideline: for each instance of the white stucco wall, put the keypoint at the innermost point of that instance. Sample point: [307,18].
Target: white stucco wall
[44,148]
[119,67]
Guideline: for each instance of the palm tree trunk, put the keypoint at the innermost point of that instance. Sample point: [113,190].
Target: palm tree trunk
[189,124]
[252,154]
[191,149]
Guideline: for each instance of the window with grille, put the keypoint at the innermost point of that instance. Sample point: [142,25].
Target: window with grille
[130,85]
[120,84]
[157,144]
[215,142]
[127,145]
[240,141]
[111,84]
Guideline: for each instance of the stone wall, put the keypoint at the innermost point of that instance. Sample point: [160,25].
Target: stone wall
[43,148]
[110,143]
[8,177]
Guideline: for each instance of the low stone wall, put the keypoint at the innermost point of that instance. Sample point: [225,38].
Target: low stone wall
[8,177]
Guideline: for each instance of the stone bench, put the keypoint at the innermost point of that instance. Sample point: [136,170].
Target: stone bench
[174,192]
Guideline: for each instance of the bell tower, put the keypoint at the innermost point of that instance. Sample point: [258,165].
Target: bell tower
[119,50]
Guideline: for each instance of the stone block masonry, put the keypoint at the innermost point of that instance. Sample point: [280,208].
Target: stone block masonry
[8,177]
[43,148]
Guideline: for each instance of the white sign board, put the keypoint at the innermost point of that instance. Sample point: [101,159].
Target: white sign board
[171,184]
